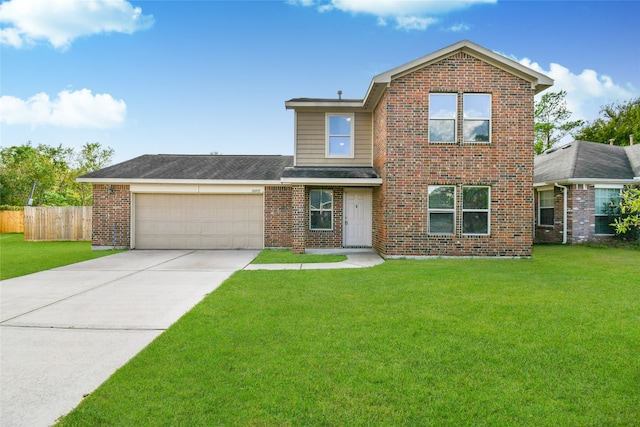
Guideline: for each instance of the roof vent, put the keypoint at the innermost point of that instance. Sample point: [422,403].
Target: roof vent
[339,94]
[566,146]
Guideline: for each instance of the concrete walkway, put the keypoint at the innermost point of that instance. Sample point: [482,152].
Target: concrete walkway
[356,258]
[64,331]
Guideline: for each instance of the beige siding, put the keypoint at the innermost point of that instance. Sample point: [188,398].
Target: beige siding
[310,141]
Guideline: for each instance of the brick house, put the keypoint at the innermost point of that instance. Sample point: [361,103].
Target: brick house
[574,185]
[435,160]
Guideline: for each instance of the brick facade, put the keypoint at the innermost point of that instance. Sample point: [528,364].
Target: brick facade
[277,217]
[111,210]
[408,163]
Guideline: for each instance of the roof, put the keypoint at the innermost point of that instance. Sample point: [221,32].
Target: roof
[194,167]
[380,82]
[331,175]
[584,161]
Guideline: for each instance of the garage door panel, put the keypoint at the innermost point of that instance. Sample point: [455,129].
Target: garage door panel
[188,221]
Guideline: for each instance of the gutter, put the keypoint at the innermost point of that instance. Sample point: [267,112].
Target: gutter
[564,213]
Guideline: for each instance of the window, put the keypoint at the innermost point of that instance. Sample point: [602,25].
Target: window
[477,117]
[442,117]
[545,207]
[441,209]
[607,209]
[321,210]
[475,210]
[339,135]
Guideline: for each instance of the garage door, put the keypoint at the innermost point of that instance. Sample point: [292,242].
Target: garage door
[189,221]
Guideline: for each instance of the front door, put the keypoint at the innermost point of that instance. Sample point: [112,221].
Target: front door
[357,217]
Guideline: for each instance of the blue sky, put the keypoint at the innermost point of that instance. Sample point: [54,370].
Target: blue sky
[203,76]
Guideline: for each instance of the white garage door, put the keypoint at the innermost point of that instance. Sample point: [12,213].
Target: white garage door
[189,221]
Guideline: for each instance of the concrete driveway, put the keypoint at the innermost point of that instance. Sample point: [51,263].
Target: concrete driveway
[65,331]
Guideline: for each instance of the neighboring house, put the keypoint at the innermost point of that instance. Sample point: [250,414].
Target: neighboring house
[435,160]
[575,184]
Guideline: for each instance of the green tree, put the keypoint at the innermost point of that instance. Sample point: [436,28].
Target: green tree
[628,223]
[618,121]
[92,157]
[552,120]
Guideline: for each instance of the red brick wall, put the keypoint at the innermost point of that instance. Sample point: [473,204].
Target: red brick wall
[111,204]
[379,212]
[325,238]
[412,163]
[551,233]
[277,217]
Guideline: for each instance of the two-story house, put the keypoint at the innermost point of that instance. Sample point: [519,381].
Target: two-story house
[435,160]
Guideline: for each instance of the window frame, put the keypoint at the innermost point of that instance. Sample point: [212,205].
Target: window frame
[598,215]
[433,118]
[486,210]
[328,135]
[320,209]
[466,118]
[431,210]
[541,207]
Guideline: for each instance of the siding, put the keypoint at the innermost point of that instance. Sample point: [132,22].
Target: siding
[310,141]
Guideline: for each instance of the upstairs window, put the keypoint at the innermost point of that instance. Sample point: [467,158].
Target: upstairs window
[442,117]
[545,207]
[607,209]
[442,209]
[475,210]
[477,117]
[339,135]
[320,210]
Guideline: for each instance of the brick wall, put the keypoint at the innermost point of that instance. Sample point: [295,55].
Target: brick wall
[326,238]
[111,205]
[412,163]
[551,233]
[277,217]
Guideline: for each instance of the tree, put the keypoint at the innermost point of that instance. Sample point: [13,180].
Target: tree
[628,223]
[91,158]
[552,120]
[618,122]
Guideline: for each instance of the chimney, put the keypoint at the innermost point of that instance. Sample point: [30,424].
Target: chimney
[631,139]
[611,141]
[339,94]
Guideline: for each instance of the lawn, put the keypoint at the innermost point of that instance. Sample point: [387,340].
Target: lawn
[286,256]
[547,341]
[18,257]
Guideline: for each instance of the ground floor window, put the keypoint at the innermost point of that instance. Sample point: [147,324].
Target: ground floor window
[320,210]
[607,202]
[545,207]
[475,210]
[442,209]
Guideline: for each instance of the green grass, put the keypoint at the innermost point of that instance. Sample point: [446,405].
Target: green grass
[548,341]
[18,257]
[286,256]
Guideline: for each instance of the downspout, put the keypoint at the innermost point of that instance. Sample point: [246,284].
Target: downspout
[564,213]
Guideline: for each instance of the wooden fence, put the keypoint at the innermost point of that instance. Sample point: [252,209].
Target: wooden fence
[11,221]
[57,223]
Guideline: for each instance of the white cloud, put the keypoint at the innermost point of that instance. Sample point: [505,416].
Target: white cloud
[586,91]
[408,14]
[78,109]
[60,22]
[458,27]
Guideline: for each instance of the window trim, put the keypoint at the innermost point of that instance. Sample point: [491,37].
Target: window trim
[441,210]
[540,207]
[455,118]
[311,228]
[487,210]
[595,204]
[488,119]
[328,135]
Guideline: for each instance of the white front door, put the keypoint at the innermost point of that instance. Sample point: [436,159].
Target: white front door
[357,217]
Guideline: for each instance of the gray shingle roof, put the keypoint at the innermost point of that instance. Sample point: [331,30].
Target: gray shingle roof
[206,167]
[587,160]
[330,172]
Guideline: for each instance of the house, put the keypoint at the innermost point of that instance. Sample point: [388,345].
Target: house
[435,160]
[574,185]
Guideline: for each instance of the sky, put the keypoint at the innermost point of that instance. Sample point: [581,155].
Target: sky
[197,77]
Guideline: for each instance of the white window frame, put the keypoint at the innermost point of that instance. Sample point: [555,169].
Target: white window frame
[351,135]
[540,207]
[441,211]
[321,209]
[434,117]
[466,118]
[486,210]
[596,203]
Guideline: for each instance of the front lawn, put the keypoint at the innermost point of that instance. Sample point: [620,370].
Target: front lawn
[18,257]
[286,256]
[547,341]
